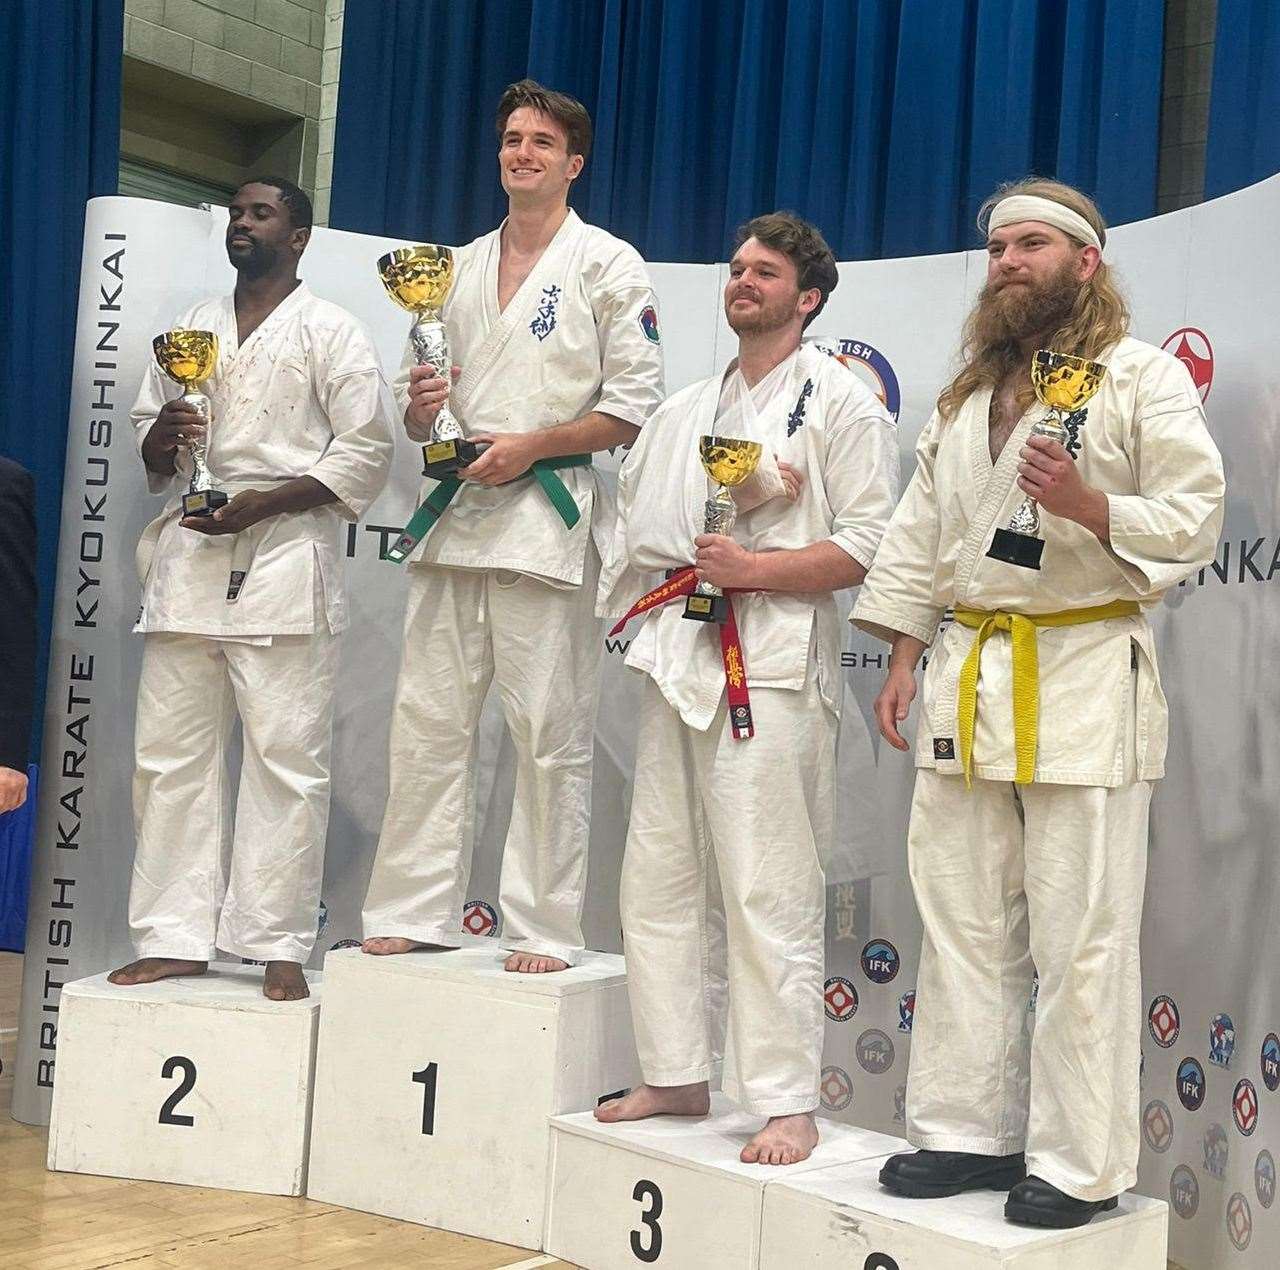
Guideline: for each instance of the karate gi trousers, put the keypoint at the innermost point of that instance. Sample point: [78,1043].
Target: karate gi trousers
[746,824]
[464,628]
[1012,880]
[183,902]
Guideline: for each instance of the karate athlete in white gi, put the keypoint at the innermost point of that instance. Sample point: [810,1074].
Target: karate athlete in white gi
[732,807]
[554,327]
[242,609]
[1028,836]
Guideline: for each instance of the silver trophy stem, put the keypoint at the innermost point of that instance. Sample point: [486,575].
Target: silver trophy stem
[201,477]
[719,514]
[431,348]
[1026,518]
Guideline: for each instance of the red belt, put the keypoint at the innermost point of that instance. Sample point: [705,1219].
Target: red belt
[679,583]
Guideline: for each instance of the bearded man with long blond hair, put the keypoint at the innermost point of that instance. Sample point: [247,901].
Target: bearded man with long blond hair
[1043,724]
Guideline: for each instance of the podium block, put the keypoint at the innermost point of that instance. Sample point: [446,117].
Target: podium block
[198,1080]
[437,1074]
[843,1219]
[672,1190]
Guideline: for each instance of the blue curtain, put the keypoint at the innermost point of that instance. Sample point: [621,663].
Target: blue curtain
[884,121]
[1244,140]
[59,146]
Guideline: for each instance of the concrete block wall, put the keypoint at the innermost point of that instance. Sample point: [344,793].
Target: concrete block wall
[266,50]
[331,60]
[1184,110]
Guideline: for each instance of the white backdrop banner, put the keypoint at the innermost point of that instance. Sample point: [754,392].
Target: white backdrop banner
[1199,284]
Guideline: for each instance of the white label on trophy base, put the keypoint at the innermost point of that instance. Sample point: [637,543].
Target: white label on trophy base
[672,1190]
[199,1080]
[436,1076]
[843,1219]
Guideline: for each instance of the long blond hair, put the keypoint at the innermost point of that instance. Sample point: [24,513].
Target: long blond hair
[1098,318]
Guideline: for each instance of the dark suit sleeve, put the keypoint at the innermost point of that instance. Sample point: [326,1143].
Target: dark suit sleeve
[17,613]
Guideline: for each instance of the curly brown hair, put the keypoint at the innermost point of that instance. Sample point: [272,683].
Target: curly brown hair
[802,244]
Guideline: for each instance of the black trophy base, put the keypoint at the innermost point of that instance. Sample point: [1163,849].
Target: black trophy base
[707,608]
[444,458]
[203,502]
[1020,549]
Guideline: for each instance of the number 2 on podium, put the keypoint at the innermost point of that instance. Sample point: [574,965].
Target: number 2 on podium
[427,1079]
[188,1069]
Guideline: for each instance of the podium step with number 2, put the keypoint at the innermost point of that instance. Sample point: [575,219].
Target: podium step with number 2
[199,1080]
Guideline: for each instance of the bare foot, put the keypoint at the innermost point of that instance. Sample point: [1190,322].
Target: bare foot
[533,963]
[784,1140]
[389,945]
[657,1100]
[284,981]
[149,969]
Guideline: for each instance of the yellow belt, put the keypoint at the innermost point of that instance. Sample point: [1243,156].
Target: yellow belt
[1026,674]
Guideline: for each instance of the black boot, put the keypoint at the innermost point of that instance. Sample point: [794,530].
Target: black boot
[1036,1202]
[934,1174]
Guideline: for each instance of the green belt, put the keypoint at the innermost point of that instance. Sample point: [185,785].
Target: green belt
[433,506]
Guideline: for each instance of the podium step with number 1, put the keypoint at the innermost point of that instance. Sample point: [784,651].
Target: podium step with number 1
[437,1074]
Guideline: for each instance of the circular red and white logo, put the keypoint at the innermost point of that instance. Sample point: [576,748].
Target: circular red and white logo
[1157,1126]
[840,999]
[479,918]
[1191,347]
[1163,1022]
[835,1088]
[1244,1107]
[1239,1221]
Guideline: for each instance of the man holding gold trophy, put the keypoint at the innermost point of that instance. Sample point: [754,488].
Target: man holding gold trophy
[283,430]
[733,801]
[1065,482]
[554,329]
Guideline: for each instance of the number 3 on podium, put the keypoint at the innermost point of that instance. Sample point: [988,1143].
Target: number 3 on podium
[646,1190]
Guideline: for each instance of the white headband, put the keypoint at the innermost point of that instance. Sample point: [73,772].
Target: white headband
[1019,207]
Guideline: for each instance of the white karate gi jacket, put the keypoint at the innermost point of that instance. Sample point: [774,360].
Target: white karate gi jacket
[819,417]
[1145,444]
[581,334]
[304,396]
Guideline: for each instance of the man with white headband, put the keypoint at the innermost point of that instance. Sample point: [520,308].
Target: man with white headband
[1043,724]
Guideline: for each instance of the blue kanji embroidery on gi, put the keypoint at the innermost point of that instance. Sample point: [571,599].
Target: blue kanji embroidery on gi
[795,420]
[545,320]
[1073,423]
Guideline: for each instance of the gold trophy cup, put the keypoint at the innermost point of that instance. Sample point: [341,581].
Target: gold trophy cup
[1063,383]
[728,463]
[189,358]
[418,279]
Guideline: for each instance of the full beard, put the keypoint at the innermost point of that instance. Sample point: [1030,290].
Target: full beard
[1009,317]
